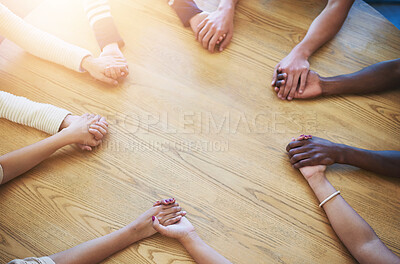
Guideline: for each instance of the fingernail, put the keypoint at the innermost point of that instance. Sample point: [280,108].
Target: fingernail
[272,83]
[115,83]
[301,91]
[289,98]
[153,218]
[122,73]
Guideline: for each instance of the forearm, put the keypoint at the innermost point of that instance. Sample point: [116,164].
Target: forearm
[201,252]
[20,161]
[324,27]
[375,78]
[96,250]
[381,162]
[359,238]
[40,43]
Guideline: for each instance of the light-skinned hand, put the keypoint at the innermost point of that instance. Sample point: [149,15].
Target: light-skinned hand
[79,131]
[180,230]
[215,29]
[313,88]
[167,214]
[296,67]
[116,71]
[97,67]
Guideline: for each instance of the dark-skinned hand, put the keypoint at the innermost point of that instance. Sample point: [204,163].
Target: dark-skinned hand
[312,152]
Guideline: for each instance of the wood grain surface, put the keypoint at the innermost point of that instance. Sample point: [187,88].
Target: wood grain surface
[204,128]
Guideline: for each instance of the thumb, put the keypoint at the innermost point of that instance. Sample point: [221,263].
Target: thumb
[108,80]
[157,226]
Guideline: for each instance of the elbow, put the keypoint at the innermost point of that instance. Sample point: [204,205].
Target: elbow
[362,254]
[374,251]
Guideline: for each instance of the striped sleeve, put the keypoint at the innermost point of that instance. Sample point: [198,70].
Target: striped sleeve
[45,117]
[99,15]
[40,43]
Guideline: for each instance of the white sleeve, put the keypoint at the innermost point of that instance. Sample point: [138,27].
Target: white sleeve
[42,260]
[40,43]
[21,110]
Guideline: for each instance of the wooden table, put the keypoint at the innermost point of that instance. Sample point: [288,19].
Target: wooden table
[204,128]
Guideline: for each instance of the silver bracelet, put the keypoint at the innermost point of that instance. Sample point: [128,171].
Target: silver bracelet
[328,198]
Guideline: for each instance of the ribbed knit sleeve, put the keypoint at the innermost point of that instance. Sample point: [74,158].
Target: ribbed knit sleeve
[44,117]
[40,43]
[99,15]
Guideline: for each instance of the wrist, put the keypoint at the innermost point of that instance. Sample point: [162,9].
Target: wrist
[87,62]
[111,46]
[342,153]
[65,137]
[301,51]
[134,229]
[66,122]
[317,180]
[189,238]
[226,8]
[329,85]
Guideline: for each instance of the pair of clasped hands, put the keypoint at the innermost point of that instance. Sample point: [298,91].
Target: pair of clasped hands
[293,79]
[109,67]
